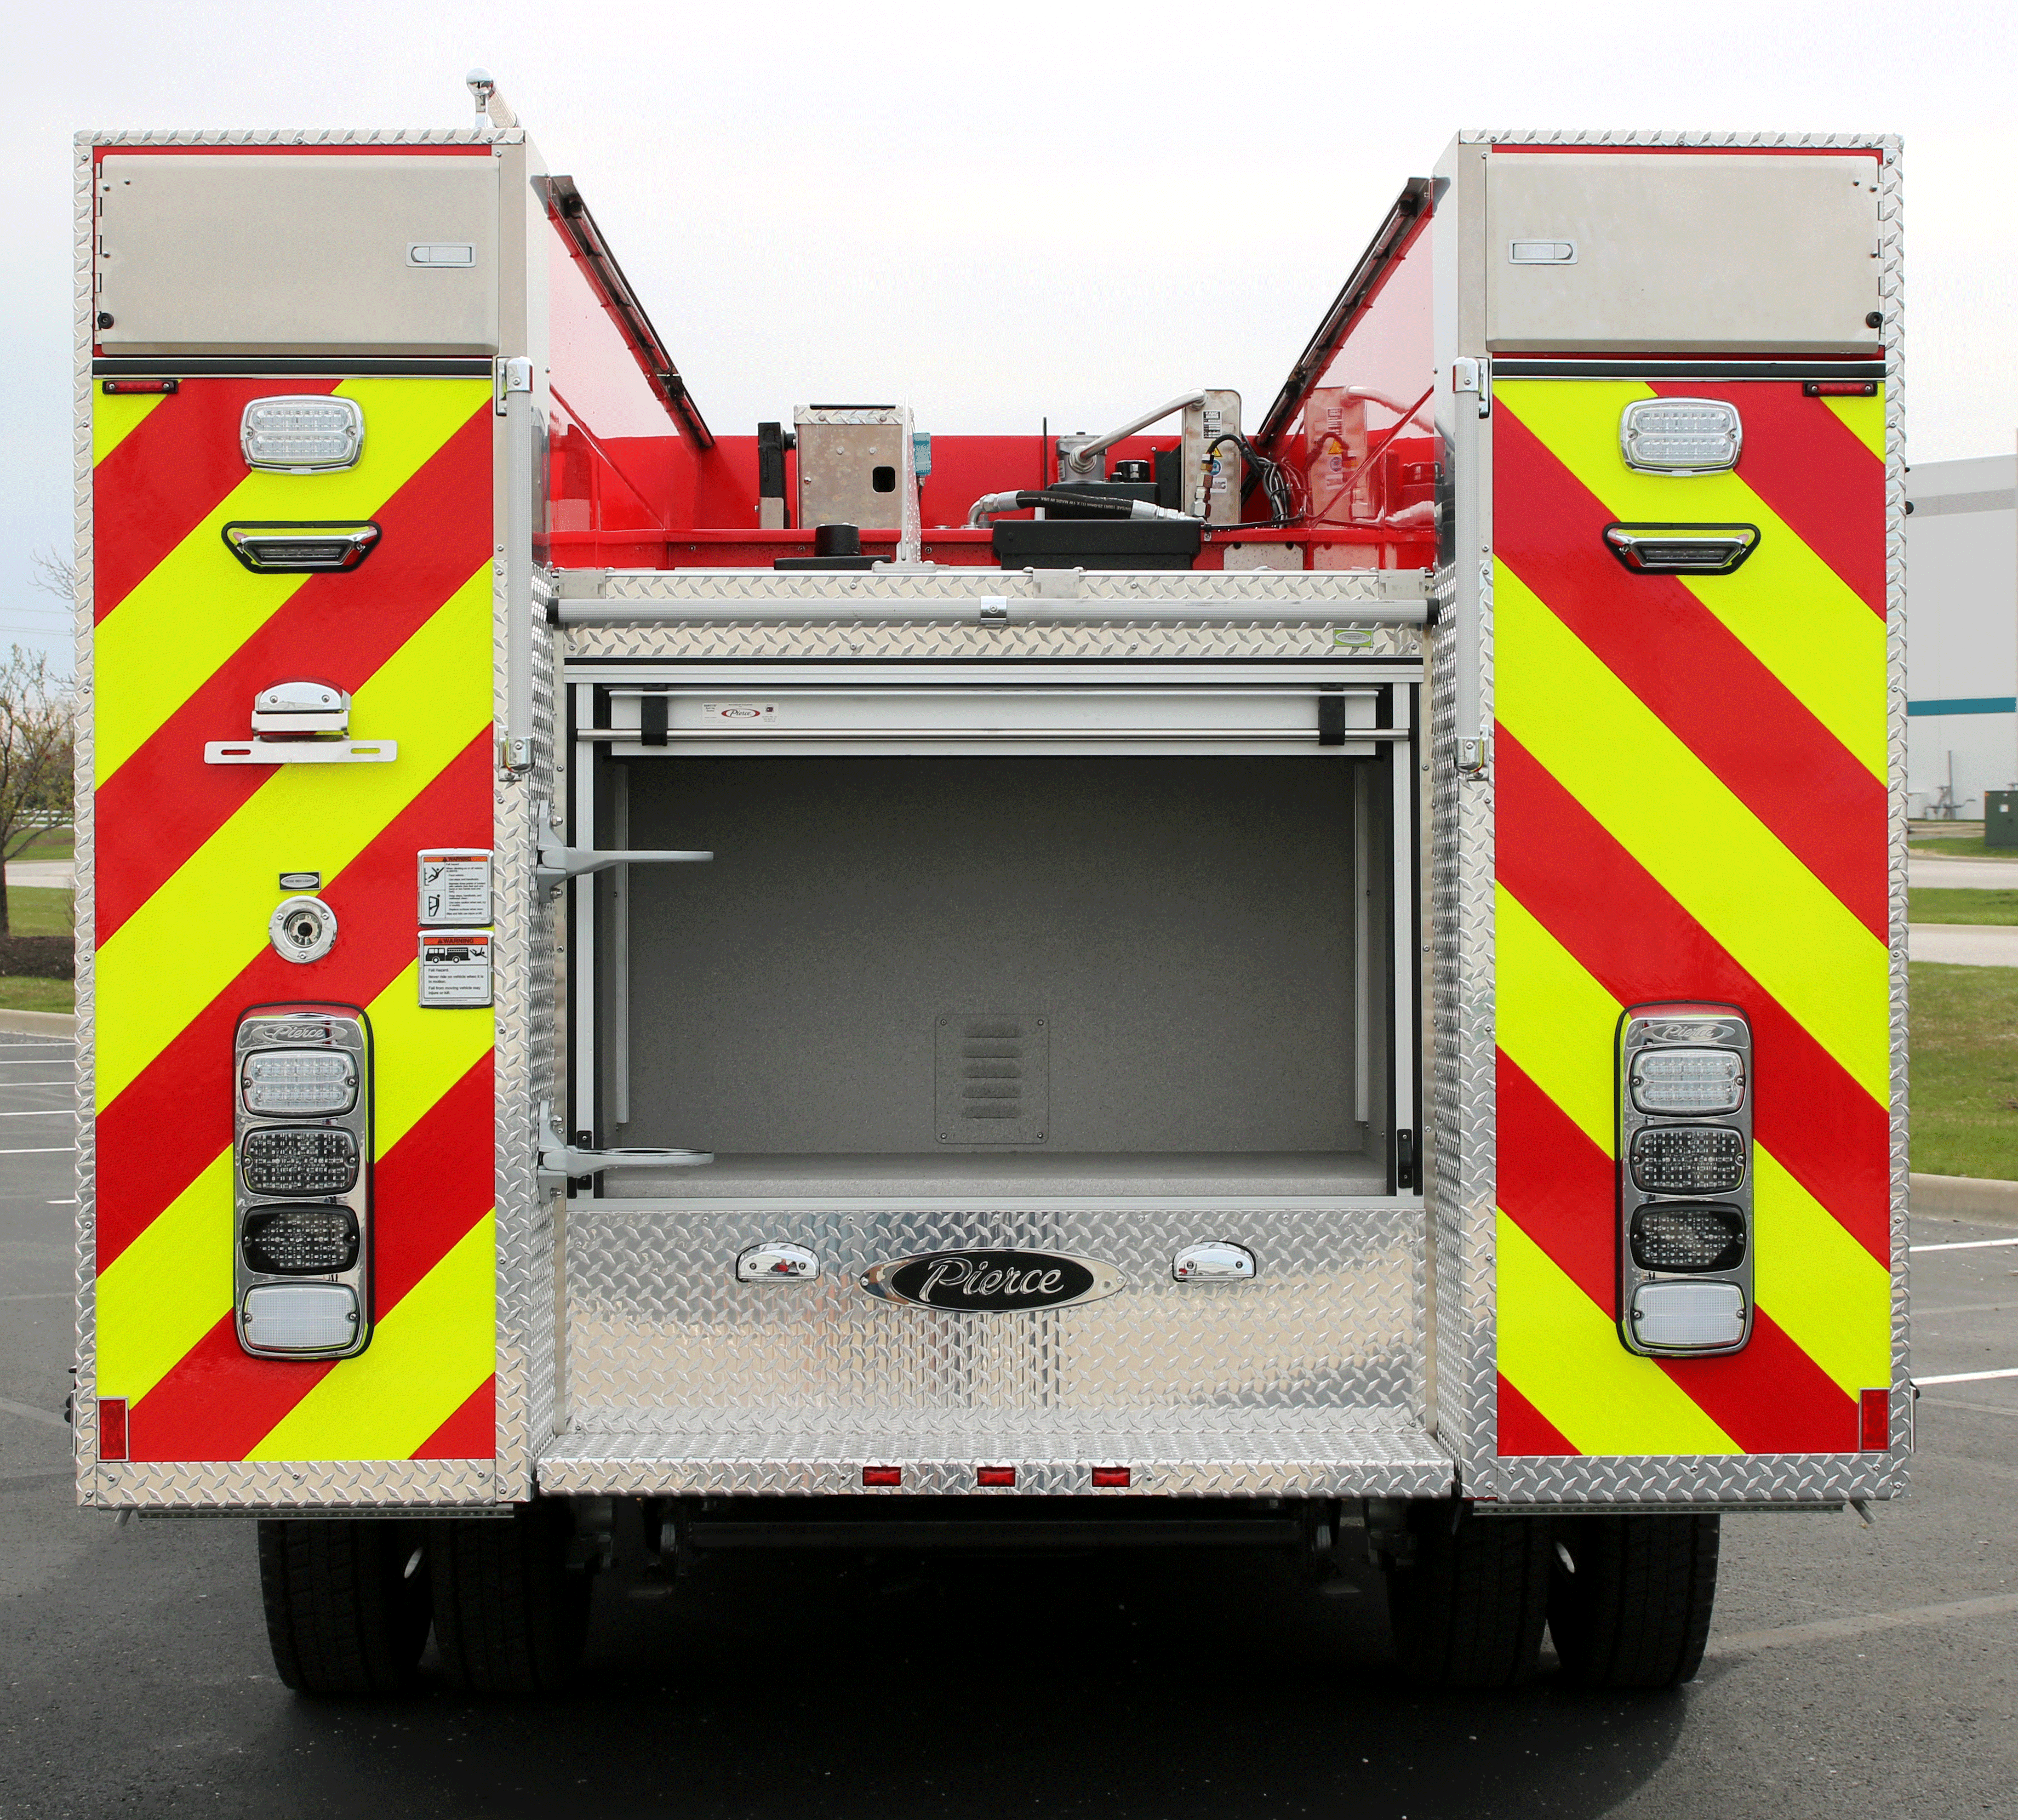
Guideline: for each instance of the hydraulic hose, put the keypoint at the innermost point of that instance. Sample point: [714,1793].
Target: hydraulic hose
[1072,499]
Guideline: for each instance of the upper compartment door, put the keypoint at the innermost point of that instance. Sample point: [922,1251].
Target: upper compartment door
[1681,252]
[307,253]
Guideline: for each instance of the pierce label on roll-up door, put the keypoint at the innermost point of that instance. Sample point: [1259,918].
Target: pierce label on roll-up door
[455,969]
[455,885]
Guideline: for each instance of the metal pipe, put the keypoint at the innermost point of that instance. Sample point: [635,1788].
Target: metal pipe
[1082,459]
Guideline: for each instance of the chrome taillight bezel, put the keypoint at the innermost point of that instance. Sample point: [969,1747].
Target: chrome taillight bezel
[1680,1028]
[341,1030]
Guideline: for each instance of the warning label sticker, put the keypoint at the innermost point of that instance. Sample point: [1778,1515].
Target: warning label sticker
[455,969]
[455,884]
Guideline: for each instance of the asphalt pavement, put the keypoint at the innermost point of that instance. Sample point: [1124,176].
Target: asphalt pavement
[1851,1669]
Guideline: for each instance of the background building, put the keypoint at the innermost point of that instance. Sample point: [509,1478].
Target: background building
[1961,649]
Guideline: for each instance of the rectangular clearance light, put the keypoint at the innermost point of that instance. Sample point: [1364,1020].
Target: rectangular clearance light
[301,436]
[882,1475]
[995,1475]
[1681,436]
[1115,1476]
[299,1083]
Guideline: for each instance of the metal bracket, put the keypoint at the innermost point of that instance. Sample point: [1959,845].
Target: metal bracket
[1474,757]
[511,373]
[1474,376]
[302,751]
[559,1159]
[559,864]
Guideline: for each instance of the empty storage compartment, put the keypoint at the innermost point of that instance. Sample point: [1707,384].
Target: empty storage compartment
[930,975]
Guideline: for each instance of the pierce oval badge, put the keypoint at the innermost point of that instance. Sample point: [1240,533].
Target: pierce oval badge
[992,1279]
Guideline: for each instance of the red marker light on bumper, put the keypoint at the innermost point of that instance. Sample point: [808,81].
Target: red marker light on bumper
[995,1475]
[882,1475]
[1110,1475]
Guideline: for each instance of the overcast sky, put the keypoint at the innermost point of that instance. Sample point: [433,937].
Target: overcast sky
[1000,213]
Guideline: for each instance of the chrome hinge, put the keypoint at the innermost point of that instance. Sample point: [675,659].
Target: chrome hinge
[509,374]
[1474,757]
[1474,376]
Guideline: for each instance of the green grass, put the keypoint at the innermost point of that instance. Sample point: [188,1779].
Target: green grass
[1958,846]
[1930,903]
[31,911]
[52,844]
[37,995]
[1965,1070]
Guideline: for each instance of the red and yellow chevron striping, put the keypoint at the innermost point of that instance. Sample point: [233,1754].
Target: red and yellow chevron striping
[186,862]
[1689,799]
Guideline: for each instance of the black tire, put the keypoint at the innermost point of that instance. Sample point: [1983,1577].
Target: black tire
[511,1615]
[1630,1606]
[1468,1612]
[344,1615]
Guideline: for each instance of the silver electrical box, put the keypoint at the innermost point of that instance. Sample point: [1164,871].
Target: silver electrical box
[855,466]
[309,253]
[1629,252]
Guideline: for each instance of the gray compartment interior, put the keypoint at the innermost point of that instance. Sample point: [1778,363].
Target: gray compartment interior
[1183,927]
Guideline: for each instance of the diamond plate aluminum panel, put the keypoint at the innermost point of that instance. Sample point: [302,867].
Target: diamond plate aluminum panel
[1225,1452]
[84,1436]
[1219,593]
[843,638]
[1763,1479]
[673,1365]
[232,1485]
[527,1061]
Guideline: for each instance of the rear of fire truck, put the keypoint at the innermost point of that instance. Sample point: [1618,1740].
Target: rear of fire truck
[1330,984]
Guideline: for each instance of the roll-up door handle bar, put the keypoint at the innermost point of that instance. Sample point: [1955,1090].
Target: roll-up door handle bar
[559,864]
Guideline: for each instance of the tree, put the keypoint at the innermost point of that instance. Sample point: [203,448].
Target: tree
[38,741]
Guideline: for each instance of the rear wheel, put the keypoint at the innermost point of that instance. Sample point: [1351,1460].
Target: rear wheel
[347,1609]
[511,1614]
[1629,1597]
[1468,1610]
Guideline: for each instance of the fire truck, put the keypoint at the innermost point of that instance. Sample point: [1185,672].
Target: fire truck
[1323,974]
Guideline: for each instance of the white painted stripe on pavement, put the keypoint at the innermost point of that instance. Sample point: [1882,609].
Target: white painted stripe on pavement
[1964,1245]
[1744,1642]
[1969,1376]
[48,1150]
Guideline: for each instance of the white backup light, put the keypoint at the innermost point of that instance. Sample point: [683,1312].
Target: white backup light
[1681,436]
[1688,1082]
[300,1317]
[301,436]
[1688,1316]
[299,1083]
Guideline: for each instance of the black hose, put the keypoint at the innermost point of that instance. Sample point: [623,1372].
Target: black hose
[1077,500]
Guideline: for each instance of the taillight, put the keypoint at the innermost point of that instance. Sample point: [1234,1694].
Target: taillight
[303,1148]
[1685,1239]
